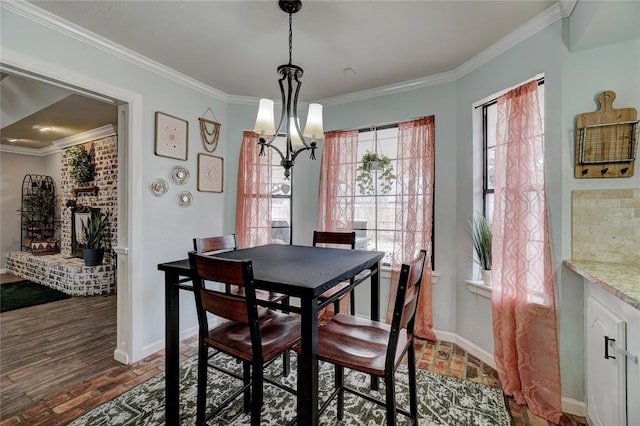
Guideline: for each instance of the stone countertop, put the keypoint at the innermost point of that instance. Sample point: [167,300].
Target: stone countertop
[621,280]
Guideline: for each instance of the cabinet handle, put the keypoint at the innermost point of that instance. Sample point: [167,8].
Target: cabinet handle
[608,341]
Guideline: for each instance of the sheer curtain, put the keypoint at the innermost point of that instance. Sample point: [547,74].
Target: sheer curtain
[253,208]
[336,196]
[523,298]
[414,212]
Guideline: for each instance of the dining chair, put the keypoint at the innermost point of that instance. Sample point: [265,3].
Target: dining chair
[377,348]
[254,335]
[224,243]
[331,239]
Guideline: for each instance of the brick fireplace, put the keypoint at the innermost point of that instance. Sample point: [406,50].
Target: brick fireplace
[66,271]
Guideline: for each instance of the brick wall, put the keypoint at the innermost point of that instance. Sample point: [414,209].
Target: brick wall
[105,155]
[606,225]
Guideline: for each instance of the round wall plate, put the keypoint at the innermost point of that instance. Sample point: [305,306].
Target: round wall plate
[185,198]
[159,187]
[180,175]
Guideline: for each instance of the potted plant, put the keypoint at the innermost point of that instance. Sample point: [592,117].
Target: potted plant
[81,163]
[39,219]
[481,236]
[94,230]
[372,161]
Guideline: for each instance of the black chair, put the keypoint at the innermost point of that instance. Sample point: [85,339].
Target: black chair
[254,335]
[224,243]
[345,287]
[376,348]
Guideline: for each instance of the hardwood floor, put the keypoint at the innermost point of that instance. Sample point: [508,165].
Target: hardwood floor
[56,363]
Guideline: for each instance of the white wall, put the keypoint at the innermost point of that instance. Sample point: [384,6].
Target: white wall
[13,168]
[159,230]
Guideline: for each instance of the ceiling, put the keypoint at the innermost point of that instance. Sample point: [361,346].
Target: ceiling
[236,46]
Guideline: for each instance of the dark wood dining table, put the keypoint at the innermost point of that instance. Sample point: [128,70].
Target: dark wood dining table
[298,271]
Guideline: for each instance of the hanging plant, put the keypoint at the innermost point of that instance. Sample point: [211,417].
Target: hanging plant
[81,163]
[374,162]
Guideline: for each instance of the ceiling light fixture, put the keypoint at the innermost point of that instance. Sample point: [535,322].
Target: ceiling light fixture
[296,141]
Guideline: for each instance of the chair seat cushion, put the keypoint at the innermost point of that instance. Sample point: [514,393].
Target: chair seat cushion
[279,332]
[358,343]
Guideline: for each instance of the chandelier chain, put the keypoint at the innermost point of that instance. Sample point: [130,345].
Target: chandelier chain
[290,36]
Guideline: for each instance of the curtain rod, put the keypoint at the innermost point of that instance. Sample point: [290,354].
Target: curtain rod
[494,100]
[383,126]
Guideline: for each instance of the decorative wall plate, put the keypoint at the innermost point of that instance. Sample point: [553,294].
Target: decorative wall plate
[185,198]
[159,187]
[180,175]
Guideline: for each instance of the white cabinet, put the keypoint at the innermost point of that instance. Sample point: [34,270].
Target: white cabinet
[612,329]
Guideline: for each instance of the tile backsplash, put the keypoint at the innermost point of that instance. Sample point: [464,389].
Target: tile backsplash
[606,225]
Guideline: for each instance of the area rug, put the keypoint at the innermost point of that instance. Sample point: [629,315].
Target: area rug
[442,400]
[27,293]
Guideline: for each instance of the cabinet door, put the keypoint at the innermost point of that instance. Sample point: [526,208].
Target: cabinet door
[606,385]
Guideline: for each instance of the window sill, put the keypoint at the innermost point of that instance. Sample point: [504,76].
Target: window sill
[478,287]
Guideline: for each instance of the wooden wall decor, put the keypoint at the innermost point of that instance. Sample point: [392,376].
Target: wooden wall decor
[606,140]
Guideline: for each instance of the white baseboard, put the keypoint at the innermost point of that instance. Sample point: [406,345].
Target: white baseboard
[569,405]
[121,356]
[573,406]
[468,346]
[158,345]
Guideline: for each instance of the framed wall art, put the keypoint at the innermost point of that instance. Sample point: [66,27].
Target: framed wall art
[172,136]
[210,173]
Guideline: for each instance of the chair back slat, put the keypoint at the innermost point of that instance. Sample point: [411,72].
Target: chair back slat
[406,302]
[215,244]
[334,238]
[227,271]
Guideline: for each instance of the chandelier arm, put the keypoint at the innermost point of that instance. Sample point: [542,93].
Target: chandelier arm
[295,109]
[263,142]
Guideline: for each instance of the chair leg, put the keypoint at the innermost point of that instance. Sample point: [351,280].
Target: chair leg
[352,298]
[336,307]
[339,372]
[389,385]
[413,393]
[286,358]
[201,398]
[246,378]
[256,391]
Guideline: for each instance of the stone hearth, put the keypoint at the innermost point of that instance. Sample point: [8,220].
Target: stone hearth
[64,273]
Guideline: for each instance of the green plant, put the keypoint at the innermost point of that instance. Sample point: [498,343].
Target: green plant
[38,211]
[94,230]
[481,236]
[372,161]
[81,163]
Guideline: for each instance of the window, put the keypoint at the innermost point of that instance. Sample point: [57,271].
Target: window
[374,218]
[375,204]
[489,121]
[281,193]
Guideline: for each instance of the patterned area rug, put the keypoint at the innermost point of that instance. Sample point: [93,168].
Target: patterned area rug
[442,400]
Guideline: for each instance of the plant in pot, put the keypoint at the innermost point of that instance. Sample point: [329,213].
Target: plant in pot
[39,219]
[94,232]
[481,236]
[374,162]
[81,163]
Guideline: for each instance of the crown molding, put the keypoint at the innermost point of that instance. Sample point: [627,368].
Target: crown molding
[56,23]
[60,144]
[403,86]
[535,25]
[552,14]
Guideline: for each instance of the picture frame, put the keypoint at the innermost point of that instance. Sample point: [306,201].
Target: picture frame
[210,173]
[171,136]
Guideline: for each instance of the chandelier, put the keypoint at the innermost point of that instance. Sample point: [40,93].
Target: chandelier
[295,140]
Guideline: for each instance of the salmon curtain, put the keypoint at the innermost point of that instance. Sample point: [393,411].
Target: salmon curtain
[336,196]
[253,205]
[414,213]
[523,297]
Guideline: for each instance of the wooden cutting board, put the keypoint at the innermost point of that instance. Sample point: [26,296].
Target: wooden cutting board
[606,140]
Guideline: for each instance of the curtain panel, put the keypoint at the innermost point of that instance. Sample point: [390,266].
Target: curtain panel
[523,297]
[253,208]
[336,195]
[414,213]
